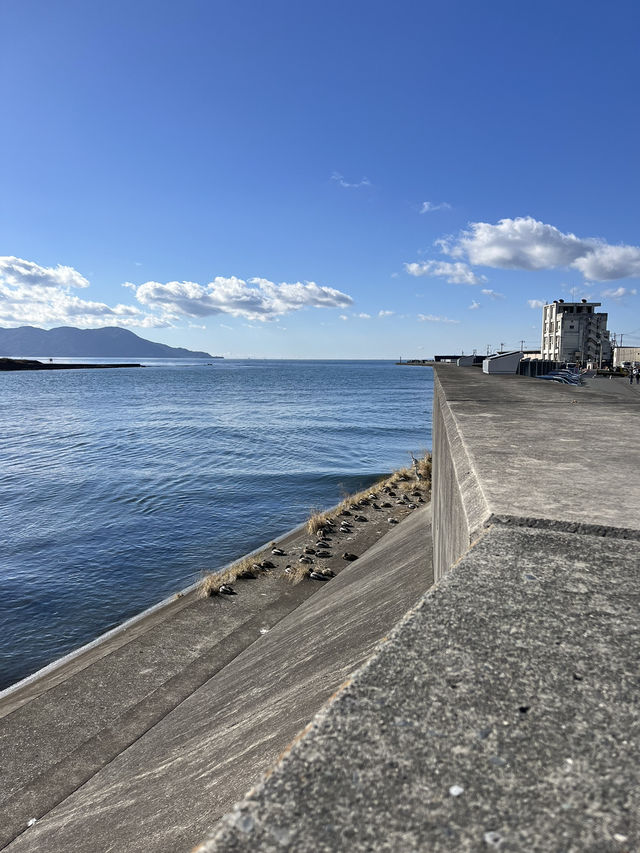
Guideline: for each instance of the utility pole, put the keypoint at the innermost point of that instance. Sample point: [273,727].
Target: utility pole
[521,346]
[488,348]
[501,346]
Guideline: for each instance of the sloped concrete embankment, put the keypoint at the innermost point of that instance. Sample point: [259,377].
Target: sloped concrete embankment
[172,746]
[503,713]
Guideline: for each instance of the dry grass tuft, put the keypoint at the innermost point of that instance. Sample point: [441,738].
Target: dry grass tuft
[414,478]
[211,583]
[317,520]
[423,467]
[418,476]
[298,573]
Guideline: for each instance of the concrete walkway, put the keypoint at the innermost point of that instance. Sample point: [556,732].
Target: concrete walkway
[165,789]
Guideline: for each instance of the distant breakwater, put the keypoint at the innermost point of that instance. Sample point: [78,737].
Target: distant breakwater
[33,364]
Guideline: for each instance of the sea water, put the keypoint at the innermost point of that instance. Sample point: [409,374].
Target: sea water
[119,487]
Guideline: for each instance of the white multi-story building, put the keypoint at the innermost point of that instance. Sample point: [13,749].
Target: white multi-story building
[626,356]
[574,332]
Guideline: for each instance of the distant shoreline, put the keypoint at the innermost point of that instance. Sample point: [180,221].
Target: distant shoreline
[33,364]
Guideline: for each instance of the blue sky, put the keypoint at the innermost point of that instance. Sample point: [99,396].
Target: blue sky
[304,180]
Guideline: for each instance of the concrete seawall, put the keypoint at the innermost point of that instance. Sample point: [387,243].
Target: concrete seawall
[508,450]
[503,713]
[146,737]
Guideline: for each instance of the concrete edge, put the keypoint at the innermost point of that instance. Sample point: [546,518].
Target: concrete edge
[559,526]
[460,508]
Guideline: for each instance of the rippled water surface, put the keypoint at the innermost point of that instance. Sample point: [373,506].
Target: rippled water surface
[118,487]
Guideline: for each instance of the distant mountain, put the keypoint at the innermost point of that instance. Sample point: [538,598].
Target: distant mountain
[67,342]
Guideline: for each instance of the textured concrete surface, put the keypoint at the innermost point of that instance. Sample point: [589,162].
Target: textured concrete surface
[519,448]
[64,735]
[60,726]
[172,783]
[503,714]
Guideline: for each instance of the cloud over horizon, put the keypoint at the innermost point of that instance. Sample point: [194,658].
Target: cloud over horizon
[433,318]
[33,294]
[255,299]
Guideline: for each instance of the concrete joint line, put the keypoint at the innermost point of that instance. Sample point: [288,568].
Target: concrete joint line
[559,526]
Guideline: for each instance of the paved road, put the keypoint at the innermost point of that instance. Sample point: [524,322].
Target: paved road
[620,388]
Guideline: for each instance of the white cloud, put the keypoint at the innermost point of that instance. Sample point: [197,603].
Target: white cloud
[383,313]
[492,293]
[474,305]
[16,272]
[339,179]
[32,294]
[429,206]
[536,303]
[618,293]
[257,299]
[455,273]
[432,318]
[522,243]
[343,317]
[608,263]
[527,244]
[364,316]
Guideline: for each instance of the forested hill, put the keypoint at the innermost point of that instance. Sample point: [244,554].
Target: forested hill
[68,342]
